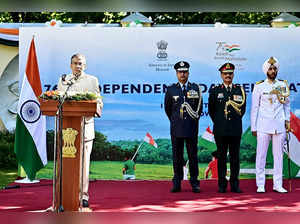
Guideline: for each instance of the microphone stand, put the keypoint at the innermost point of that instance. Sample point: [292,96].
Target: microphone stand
[59,113]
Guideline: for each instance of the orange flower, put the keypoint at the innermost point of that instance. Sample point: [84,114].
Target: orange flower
[52,23]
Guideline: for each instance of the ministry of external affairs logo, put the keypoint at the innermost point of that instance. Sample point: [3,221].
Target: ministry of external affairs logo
[162,47]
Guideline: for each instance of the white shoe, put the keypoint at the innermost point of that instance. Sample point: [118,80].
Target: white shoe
[280,189]
[261,189]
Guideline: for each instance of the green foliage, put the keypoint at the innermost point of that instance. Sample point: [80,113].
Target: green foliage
[248,147]
[102,149]
[157,17]
[7,154]
[204,156]
[147,153]
[163,154]
[7,176]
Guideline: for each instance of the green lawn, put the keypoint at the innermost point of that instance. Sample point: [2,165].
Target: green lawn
[112,170]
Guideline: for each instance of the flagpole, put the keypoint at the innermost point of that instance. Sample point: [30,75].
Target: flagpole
[289,159]
[187,163]
[137,150]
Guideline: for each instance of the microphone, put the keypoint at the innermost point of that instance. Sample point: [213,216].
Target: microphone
[65,81]
[63,77]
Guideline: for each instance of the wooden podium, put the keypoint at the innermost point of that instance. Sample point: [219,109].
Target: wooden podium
[72,145]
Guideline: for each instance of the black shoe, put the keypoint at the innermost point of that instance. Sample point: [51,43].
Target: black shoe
[222,190]
[236,190]
[85,203]
[196,189]
[175,189]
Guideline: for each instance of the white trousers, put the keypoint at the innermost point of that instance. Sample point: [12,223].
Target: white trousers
[88,145]
[128,177]
[263,140]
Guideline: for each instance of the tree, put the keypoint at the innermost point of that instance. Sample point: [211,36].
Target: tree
[157,17]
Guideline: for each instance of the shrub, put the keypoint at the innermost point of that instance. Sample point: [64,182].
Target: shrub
[7,156]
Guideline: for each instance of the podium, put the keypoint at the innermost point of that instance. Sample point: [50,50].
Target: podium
[72,146]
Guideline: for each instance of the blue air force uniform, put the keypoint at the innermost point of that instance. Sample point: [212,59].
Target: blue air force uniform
[183,106]
[227,127]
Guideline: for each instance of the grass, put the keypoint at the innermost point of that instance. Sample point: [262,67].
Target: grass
[112,170]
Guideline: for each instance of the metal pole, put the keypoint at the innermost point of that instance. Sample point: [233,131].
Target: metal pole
[187,163]
[289,159]
[60,208]
[137,150]
[60,115]
[54,161]
[82,161]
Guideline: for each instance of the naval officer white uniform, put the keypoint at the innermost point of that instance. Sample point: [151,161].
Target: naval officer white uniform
[268,121]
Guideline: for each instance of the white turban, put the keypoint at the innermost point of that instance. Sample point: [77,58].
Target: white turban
[268,63]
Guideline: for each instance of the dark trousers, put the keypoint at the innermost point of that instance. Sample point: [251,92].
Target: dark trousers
[178,161]
[233,144]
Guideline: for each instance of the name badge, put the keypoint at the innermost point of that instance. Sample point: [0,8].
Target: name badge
[220,95]
[192,94]
[237,98]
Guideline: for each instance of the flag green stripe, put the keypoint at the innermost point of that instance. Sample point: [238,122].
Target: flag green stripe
[233,49]
[26,150]
[294,167]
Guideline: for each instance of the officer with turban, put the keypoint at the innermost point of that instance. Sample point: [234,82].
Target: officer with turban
[270,115]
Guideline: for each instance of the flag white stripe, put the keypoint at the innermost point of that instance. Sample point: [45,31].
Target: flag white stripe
[208,136]
[37,129]
[294,149]
[9,37]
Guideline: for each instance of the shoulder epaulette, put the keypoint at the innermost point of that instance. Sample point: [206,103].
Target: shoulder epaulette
[259,82]
[282,80]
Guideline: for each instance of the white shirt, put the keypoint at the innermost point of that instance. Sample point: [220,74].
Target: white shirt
[185,84]
[268,115]
[84,83]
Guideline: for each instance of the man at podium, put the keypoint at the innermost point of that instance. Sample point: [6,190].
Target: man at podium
[80,81]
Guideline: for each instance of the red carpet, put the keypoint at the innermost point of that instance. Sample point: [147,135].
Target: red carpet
[154,196]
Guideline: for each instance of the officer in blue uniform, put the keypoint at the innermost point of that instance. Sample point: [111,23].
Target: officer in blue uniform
[226,107]
[183,106]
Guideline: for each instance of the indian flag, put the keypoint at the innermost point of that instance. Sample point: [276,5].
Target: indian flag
[149,139]
[30,138]
[208,135]
[230,48]
[294,142]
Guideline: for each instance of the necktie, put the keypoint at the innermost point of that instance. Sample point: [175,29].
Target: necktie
[184,90]
[228,89]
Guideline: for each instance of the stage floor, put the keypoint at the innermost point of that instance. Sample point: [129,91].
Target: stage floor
[155,196]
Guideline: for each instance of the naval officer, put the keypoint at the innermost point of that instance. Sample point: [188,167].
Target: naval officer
[270,115]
